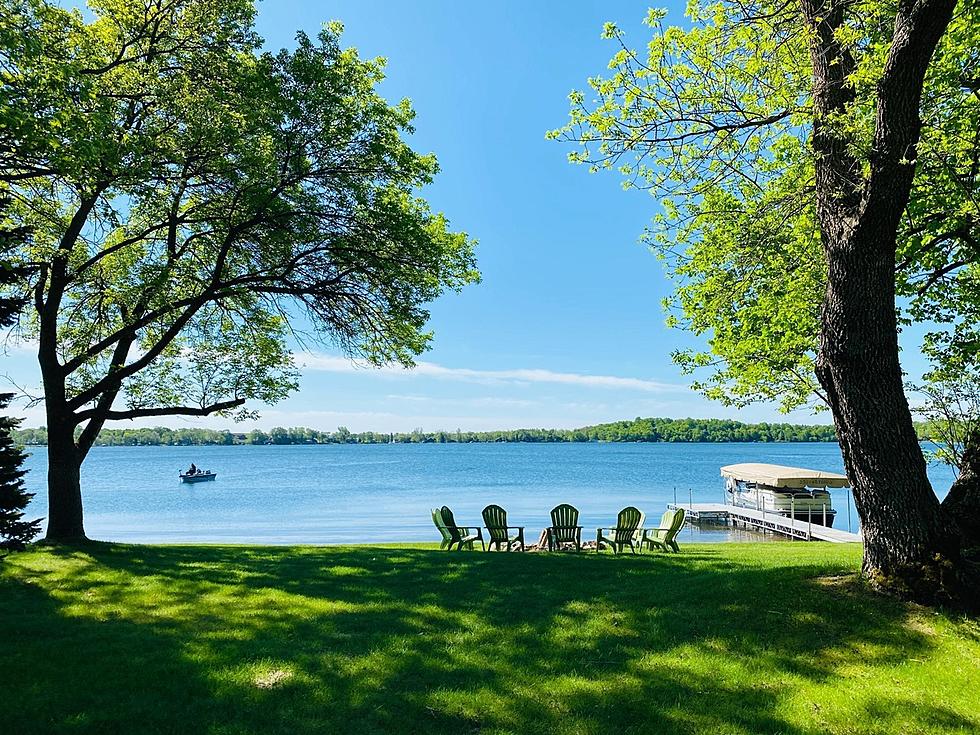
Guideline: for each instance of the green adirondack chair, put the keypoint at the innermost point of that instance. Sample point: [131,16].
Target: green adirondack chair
[495,519]
[638,534]
[564,528]
[665,537]
[460,536]
[447,537]
[628,531]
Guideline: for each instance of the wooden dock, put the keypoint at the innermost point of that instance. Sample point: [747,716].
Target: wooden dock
[767,521]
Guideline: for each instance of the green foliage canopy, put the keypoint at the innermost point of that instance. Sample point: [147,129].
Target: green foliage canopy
[197,201]
[715,120]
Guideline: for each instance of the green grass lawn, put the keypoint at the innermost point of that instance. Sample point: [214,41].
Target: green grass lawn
[735,638]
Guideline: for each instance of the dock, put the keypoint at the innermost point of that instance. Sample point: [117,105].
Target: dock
[767,521]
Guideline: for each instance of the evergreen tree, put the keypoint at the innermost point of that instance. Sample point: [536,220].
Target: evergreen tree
[15,533]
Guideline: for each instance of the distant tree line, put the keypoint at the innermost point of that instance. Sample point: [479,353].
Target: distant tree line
[637,430]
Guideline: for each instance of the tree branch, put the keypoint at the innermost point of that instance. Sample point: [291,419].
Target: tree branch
[91,431]
[138,413]
[919,25]
[939,273]
[115,377]
[838,172]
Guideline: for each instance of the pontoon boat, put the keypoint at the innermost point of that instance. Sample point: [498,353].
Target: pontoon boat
[790,491]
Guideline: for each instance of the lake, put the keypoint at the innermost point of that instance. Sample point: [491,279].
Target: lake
[371,493]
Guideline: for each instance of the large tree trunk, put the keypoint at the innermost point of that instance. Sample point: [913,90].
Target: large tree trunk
[65,522]
[911,546]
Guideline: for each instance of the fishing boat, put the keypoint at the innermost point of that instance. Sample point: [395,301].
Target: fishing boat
[793,492]
[197,476]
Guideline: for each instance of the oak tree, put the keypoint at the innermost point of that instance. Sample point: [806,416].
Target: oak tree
[818,166]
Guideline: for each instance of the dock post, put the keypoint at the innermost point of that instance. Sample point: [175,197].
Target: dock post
[675,495]
[809,524]
[792,511]
[825,515]
[847,499]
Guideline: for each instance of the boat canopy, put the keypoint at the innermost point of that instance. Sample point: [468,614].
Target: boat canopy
[774,475]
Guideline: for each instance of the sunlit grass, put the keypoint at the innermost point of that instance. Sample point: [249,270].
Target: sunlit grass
[738,638]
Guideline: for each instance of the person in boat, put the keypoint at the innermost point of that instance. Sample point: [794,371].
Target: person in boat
[192,470]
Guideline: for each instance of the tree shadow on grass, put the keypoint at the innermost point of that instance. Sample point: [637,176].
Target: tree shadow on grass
[74,673]
[370,639]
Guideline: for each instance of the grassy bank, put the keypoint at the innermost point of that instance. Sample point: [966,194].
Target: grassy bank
[722,638]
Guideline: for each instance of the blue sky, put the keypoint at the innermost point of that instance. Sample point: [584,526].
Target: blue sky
[566,328]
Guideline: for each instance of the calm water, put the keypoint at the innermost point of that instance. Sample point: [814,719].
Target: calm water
[370,493]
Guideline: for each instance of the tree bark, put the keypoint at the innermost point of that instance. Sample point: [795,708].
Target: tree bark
[910,544]
[962,503]
[65,521]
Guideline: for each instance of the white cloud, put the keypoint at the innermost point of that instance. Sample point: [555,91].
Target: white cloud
[334,364]
[476,401]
